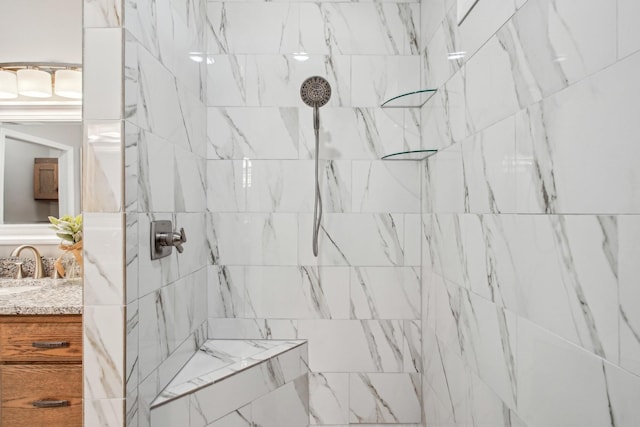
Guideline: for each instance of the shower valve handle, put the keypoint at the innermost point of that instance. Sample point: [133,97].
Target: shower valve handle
[172,239]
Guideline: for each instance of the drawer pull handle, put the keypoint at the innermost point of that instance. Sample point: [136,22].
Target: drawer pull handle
[50,403]
[50,344]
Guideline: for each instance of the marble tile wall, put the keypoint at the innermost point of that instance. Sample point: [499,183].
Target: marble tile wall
[530,215]
[165,147]
[358,302]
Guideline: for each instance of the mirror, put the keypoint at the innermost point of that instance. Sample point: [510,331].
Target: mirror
[48,128]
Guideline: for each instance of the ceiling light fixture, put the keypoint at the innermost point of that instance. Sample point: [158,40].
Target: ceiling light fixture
[34,80]
[8,85]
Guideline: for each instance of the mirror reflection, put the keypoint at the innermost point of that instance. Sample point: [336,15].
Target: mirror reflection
[39,171]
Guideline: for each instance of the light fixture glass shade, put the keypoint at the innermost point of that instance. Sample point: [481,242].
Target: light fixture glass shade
[69,84]
[8,85]
[34,83]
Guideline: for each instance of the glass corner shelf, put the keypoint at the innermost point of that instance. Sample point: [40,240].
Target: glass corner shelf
[409,100]
[410,155]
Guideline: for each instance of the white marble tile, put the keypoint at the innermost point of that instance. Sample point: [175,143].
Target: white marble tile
[328,398]
[566,275]
[103,175]
[102,85]
[141,21]
[287,406]
[102,13]
[490,89]
[482,22]
[379,78]
[559,383]
[385,293]
[384,398]
[442,57]
[574,47]
[227,80]
[445,175]
[412,346]
[412,242]
[239,418]
[385,29]
[489,172]
[175,413]
[489,345]
[623,391]
[253,238]
[103,353]
[359,134]
[104,258]
[253,328]
[131,170]
[190,182]
[103,412]
[275,80]
[353,345]
[628,273]
[431,15]
[296,292]
[628,40]
[157,174]
[549,136]
[255,133]
[384,186]
[353,239]
[182,35]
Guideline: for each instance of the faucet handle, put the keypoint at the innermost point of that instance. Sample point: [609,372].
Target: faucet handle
[179,239]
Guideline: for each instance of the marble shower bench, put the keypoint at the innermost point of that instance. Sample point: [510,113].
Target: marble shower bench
[261,382]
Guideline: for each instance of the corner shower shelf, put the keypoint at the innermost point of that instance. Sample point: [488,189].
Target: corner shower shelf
[410,155]
[409,100]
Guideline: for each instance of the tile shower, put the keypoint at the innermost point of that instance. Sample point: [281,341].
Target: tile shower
[493,284]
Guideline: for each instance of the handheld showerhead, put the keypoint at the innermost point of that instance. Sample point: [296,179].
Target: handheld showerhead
[315,91]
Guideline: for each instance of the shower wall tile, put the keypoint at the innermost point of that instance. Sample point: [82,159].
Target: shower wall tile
[263,133]
[328,398]
[385,293]
[628,273]
[103,188]
[253,328]
[386,186]
[103,356]
[559,382]
[628,41]
[354,239]
[384,398]
[277,185]
[102,86]
[104,412]
[156,178]
[489,169]
[253,238]
[550,133]
[227,80]
[269,79]
[353,345]
[377,78]
[103,259]
[190,181]
[102,13]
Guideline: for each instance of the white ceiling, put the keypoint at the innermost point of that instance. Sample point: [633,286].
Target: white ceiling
[41,31]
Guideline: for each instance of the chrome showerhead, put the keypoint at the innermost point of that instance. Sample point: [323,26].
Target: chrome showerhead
[315,91]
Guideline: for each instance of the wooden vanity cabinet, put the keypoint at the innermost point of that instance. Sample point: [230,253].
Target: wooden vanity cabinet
[41,371]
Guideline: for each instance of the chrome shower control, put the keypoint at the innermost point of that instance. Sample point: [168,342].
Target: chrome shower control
[163,239]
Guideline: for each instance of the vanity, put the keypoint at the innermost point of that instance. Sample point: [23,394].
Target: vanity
[40,352]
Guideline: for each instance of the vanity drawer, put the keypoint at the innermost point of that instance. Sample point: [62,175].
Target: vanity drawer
[40,340]
[25,387]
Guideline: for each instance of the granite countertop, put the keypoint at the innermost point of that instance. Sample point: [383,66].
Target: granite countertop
[40,296]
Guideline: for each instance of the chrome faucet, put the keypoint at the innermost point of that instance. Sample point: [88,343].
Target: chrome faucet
[38,272]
